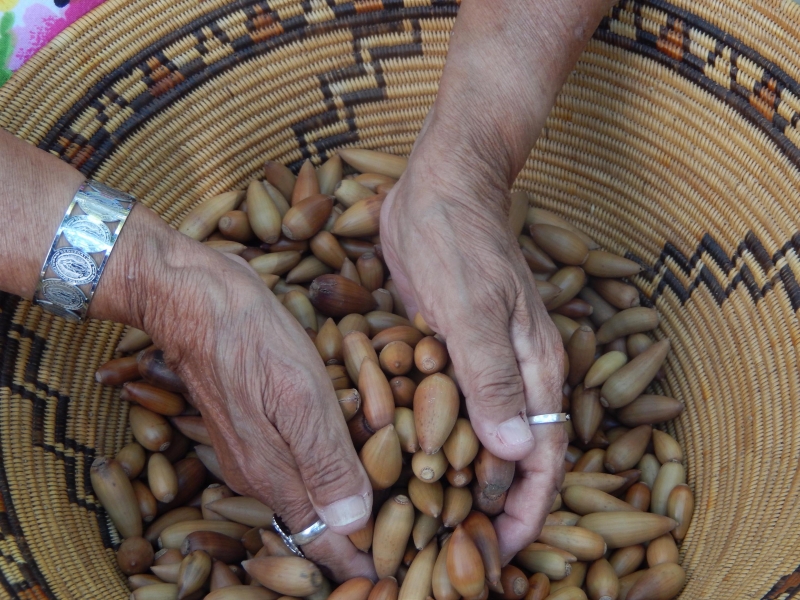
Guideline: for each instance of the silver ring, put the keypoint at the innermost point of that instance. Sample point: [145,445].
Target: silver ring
[293,542]
[551,418]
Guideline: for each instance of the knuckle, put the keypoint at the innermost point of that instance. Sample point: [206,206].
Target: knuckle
[497,385]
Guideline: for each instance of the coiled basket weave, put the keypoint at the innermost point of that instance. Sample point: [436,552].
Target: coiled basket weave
[674,142]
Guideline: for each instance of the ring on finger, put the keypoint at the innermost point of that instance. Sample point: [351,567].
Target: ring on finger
[294,541]
[548,418]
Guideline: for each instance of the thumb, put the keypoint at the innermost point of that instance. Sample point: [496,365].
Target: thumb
[490,378]
[336,482]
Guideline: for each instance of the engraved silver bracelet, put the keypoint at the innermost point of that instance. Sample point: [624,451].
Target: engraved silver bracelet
[80,250]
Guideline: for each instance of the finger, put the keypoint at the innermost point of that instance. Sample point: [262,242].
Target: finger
[538,479]
[314,428]
[488,374]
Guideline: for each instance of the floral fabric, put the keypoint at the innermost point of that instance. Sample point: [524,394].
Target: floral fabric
[28,25]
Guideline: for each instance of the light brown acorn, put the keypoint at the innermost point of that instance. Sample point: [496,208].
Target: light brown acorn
[576,578]
[483,534]
[649,409]
[583,543]
[581,350]
[620,529]
[194,571]
[218,546]
[626,560]
[560,244]
[549,562]
[354,247]
[117,371]
[379,321]
[406,431]
[372,161]
[226,246]
[349,402]
[133,341]
[417,582]
[397,358]
[115,492]
[307,270]
[275,263]
[618,294]
[491,505]
[135,555]
[670,475]
[148,505]
[385,589]
[638,496]
[492,474]
[585,500]
[194,428]
[665,447]
[235,226]
[243,509]
[382,458]
[263,214]
[547,291]
[456,506]
[460,477]
[586,412]
[542,547]
[430,355]
[577,309]
[397,301]
[151,430]
[400,333]
[280,176]
[222,576]
[174,535]
[658,583]
[177,515]
[566,326]
[243,592]
[605,264]
[132,459]
[329,174]
[370,271]
[562,517]
[349,191]
[403,390]
[662,550]
[161,477]
[158,591]
[393,527]
[373,180]
[513,583]
[358,588]
[649,466]
[306,217]
[436,406]
[362,219]
[626,451]
[329,343]
[440,581]
[337,296]
[628,322]
[384,299]
[306,183]
[429,467]
[628,382]
[462,445]
[680,507]
[327,249]
[465,567]
[591,461]
[567,593]
[209,459]
[537,259]
[356,347]
[290,575]
[202,220]
[353,322]
[153,398]
[569,280]
[602,311]
[428,498]
[362,539]
[376,395]
[142,580]
[539,587]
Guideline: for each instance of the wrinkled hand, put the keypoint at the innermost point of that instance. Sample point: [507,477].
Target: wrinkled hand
[268,402]
[454,259]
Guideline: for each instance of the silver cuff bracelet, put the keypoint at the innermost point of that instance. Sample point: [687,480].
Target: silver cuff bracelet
[80,250]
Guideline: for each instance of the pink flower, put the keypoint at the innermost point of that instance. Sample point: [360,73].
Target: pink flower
[41,23]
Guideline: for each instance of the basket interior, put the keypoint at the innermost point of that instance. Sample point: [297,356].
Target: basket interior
[673,143]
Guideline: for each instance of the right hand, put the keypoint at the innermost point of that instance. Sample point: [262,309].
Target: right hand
[265,396]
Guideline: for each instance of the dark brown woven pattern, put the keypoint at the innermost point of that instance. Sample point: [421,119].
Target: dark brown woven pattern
[674,142]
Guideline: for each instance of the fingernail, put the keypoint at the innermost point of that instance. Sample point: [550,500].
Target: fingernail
[514,432]
[345,511]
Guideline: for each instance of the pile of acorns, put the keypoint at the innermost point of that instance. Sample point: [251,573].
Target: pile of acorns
[611,533]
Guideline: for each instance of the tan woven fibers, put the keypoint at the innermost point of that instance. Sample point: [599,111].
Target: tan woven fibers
[643,158]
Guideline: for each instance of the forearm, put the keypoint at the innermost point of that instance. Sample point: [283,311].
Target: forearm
[506,63]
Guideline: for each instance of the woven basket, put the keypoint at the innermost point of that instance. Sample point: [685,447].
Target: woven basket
[674,143]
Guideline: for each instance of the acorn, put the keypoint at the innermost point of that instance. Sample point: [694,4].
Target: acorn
[209,459]
[135,555]
[353,322]
[542,547]
[440,581]
[406,430]
[306,183]
[547,291]
[362,539]
[397,358]
[591,461]
[662,550]
[148,505]
[329,343]
[429,467]
[337,296]
[194,428]
[569,280]
[576,309]
[400,333]
[602,311]
[263,214]
[306,217]
[327,249]
[280,176]
[560,244]
[372,161]
[462,445]
[665,446]
[456,506]
[153,398]
[403,390]
[417,583]
[376,394]
[620,529]
[226,246]
[174,535]
[627,322]
[626,560]
[272,544]
[626,451]
[379,321]
[638,496]
[349,402]
[289,575]
[384,299]
[354,247]
[430,355]
[194,571]
[362,219]
[680,507]
[568,593]
[601,481]
[586,412]
[349,191]
[547,562]
[132,459]
[115,492]
[329,174]
[142,580]
[649,466]
[537,259]
[566,326]
[222,576]
[358,588]
[382,458]
[605,264]
[617,294]
[158,591]
[482,533]
[625,385]
[177,515]
[583,543]
[202,220]
[397,301]
[370,270]
[307,270]
[241,592]
[436,406]
[218,546]
[491,505]
[117,371]
[385,589]
[513,583]
[581,350]
[459,477]
[494,475]
[661,582]
[393,527]
[586,500]
[428,498]
[276,263]
[575,579]
[539,587]
[133,341]
[424,530]
[465,567]
[153,369]
[244,510]
[161,477]
[373,180]
[670,474]
[234,225]
[562,517]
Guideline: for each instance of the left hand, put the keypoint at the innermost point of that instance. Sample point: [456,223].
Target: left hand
[454,259]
